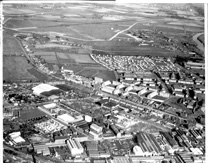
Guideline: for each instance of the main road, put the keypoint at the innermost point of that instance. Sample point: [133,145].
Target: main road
[141,106]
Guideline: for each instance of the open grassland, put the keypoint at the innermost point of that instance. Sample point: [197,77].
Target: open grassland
[188,28]
[91,70]
[42,53]
[61,29]
[30,114]
[95,66]
[185,24]
[74,68]
[66,61]
[15,69]
[62,55]
[49,58]
[129,48]
[201,38]
[106,75]
[23,23]
[87,73]
[97,31]
[37,74]
[81,58]
[11,46]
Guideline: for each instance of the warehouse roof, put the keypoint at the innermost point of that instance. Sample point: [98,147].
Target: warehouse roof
[66,118]
[43,88]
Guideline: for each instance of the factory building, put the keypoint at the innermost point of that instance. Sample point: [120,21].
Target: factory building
[138,151]
[37,90]
[148,144]
[169,138]
[75,147]
[195,65]
[95,131]
[108,89]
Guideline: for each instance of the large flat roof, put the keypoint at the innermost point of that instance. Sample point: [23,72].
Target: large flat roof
[66,118]
[43,88]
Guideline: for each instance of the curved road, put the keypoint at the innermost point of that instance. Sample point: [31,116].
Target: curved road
[199,44]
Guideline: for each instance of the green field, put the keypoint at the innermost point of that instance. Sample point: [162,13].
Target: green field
[66,61]
[106,75]
[74,68]
[11,46]
[43,53]
[30,114]
[81,58]
[62,55]
[37,74]
[15,69]
[201,39]
[87,73]
[97,31]
[22,23]
[130,48]
[49,58]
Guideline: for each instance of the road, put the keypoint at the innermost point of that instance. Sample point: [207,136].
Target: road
[6,20]
[141,106]
[31,61]
[25,53]
[122,31]
[128,136]
[17,29]
[199,44]
[30,105]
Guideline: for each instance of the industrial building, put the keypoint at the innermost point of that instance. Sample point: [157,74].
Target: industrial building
[75,147]
[95,131]
[37,90]
[148,144]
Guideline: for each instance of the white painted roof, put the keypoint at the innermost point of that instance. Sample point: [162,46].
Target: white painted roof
[43,88]
[66,118]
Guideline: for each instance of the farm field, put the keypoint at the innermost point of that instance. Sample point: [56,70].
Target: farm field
[184,23]
[106,75]
[42,53]
[81,58]
[52,45]
[131,48]
[62,56]
[31,113]
[201,38]
[97,31]
[189,28]
[87,73]
[49,58]
[66,61]
[11,46]
[74,68]
[15,69]
[37,74]
[95,66]
[23,23]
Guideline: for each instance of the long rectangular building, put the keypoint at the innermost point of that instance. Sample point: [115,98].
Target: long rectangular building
[148,144]
[75,147]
